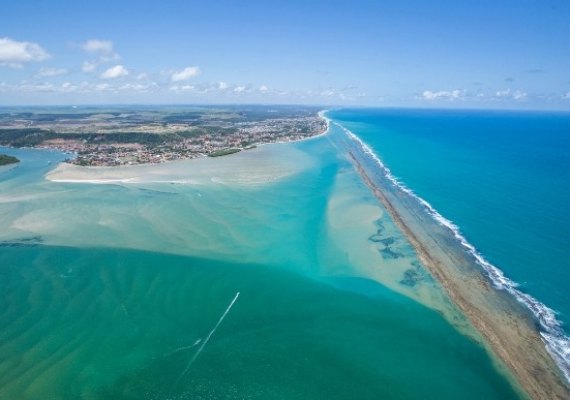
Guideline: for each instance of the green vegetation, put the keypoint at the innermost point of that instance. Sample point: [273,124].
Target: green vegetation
[24,137]
[126,135]
[5,159]
[224,152]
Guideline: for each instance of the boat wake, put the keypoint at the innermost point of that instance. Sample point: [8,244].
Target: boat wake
[204,342]
[556,341]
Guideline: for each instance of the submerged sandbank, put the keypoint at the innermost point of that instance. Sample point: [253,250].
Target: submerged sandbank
[261,165]
[7,167]
[511,331]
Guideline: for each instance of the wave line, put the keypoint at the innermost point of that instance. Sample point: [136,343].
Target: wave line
[556,341]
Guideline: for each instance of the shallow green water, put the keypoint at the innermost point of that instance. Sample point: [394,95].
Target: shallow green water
[111,324]
[120,291]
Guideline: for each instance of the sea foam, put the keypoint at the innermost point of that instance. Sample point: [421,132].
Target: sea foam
[556,341]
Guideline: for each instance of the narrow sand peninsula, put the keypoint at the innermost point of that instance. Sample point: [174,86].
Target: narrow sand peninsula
[510,330]
[257,166]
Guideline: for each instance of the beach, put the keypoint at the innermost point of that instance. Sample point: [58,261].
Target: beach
[255,166]
[509,328]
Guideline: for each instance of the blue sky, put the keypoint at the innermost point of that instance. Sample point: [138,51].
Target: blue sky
[484,54]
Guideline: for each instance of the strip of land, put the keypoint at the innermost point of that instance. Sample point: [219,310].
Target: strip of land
[126,136]
[7,160]
[509,329]
[262,165]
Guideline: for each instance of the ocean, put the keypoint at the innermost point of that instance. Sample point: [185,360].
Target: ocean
[290,285]
[502,179]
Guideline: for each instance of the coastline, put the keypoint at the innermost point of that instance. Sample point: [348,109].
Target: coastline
[321,115]
[226,165]
[258,166]
[112,145]
[509,328]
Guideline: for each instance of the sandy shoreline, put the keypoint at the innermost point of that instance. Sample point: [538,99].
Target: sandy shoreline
[264,164]
[259,165]
[509,329]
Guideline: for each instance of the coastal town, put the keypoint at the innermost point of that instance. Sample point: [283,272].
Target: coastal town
[131,137]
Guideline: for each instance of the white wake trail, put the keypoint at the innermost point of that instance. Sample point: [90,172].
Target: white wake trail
[205,341]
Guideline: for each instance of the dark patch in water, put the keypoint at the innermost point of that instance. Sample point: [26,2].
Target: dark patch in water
[379,224]
[32,241]
[376,238]
[412,277]
[388,253]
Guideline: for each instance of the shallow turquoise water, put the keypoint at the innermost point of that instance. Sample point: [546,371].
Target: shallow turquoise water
[502,177]
[122,323]
[120,292]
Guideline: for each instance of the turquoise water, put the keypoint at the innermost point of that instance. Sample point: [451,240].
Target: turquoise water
[502,177]
[124,291]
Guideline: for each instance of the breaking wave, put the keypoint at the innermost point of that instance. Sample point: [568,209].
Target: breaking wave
[556,341]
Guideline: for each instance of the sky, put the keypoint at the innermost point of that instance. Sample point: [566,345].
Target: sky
[405,53]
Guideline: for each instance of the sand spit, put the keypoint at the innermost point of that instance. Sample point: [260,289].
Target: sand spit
[264,164]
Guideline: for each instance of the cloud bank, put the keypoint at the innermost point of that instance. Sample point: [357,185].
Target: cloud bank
[117,71]
[185,74]
[14,53]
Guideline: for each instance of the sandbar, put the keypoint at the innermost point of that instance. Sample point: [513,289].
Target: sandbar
[261,165]
[510,331]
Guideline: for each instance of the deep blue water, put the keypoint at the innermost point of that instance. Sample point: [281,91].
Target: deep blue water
[502,177]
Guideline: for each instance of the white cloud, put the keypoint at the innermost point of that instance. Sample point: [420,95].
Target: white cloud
[566,96]
[68,87]
[98,46]
[101,87]
[328,93]
[81,87]
[443,95]
[142,76]
[88,66]
[102,49]
[263,88]
[518,95]
[185,74]
[35,87]
[14,54]
[137,87]
[47,72]
[115,72]
[184,88]
[239,89]
[222,85]
[509,94]
[503,93]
